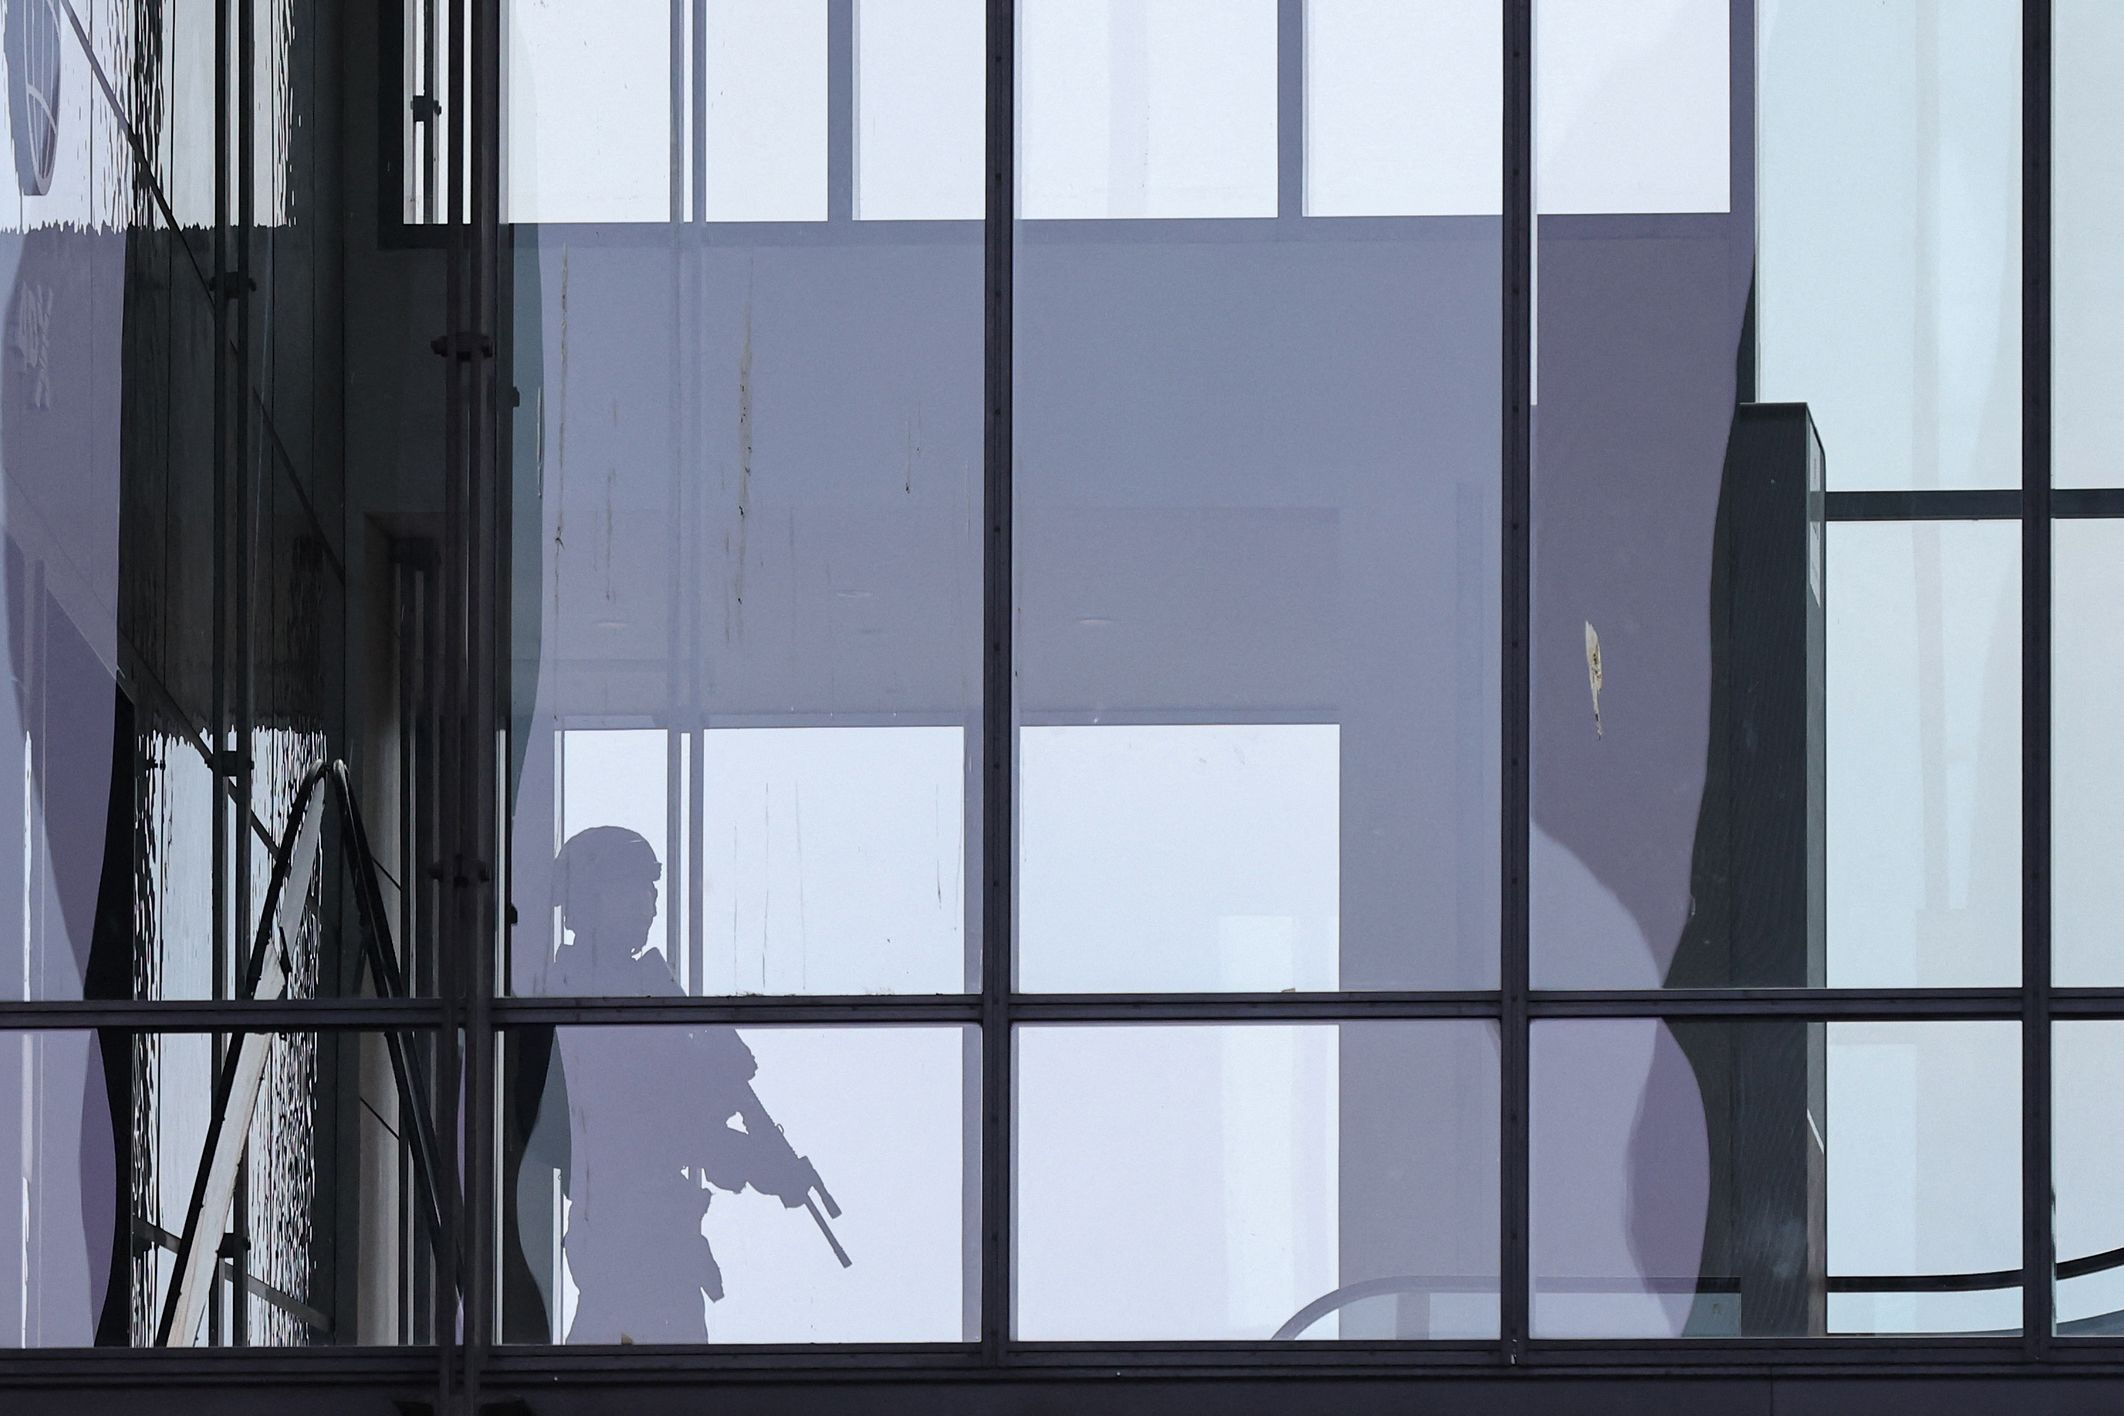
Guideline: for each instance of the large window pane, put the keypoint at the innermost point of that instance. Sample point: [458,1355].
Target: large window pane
[103,1137]
[1247,1181]
[1178,858]
[766,141]
[587,113]
[1134,108]
[1256,517]
[1402,107]
[835,860]
[748,555]
[692,1219]
[920,142]
[2087,753]
[599,111]
[2087,1140]
[1924,754]
[2087,230]
[1889,296]
[1635,106]
[1669,538]
[1715,1178]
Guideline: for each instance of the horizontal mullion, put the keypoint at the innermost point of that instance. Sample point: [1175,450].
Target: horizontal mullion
[2001,504]
[825,1361]
[223,1015]
[755,1008]
[1246,1007]
[836,1363]
[1885,1004]
[176,1366]
[1123,1008]
[1925,504]
[2086,501]
[228,1015]
[1223,1356]
[2087,1003]
[1871,1352]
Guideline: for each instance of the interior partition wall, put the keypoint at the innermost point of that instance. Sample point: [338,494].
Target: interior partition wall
[1322,703]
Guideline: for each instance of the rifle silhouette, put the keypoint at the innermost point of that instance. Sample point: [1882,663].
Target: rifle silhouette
[766,1131]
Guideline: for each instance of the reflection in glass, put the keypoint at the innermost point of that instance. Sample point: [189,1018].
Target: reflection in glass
[675,1184]
[1890,296]
[747,464]
[1167,859]
[2087,227]
[2087,1140]
[107,1132]
[766,136]
[831,860]
[1925,754]
[1147,108]
[1738,1179]
[586,119]
[1257,534]
[1250,1181]
[1642,497]
[2087,753]
[108,480]
[834,860]
[920,116]
[1402,106]
[1635,106]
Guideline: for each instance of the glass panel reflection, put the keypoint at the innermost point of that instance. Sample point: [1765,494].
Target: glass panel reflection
[766,136]
[1168,859]
[1147,108]
[1660,520]
[786,1184]
[1250,1181]
[920,143]
[1256,508]
[1715,1178]
[1925,754]
[1402,106]
[323,1238]
[746,598]
[586,115]
[2087,1147]
[2087,753]
[1890,293]
[110,485]
[2087,228]
[1635,108]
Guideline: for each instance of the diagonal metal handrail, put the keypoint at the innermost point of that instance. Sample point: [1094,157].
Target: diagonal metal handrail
[266,975]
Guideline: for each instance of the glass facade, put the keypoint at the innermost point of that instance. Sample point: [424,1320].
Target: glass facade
[950,696]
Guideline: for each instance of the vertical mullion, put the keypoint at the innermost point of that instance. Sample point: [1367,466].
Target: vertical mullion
[678,110]
[2038,1244]
[223,561]
[1290,109]
[698,127]
[998,811]
[450,612]
[1513,974]
[483,768]
[678,722]
[249,487]
[840,110]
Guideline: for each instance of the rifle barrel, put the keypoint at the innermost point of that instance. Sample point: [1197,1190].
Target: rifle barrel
[827,1230]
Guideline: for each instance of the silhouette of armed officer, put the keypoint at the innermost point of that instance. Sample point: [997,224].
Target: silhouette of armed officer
[649,1113]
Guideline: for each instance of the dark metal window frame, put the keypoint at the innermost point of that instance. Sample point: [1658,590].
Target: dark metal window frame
[1516,1370]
